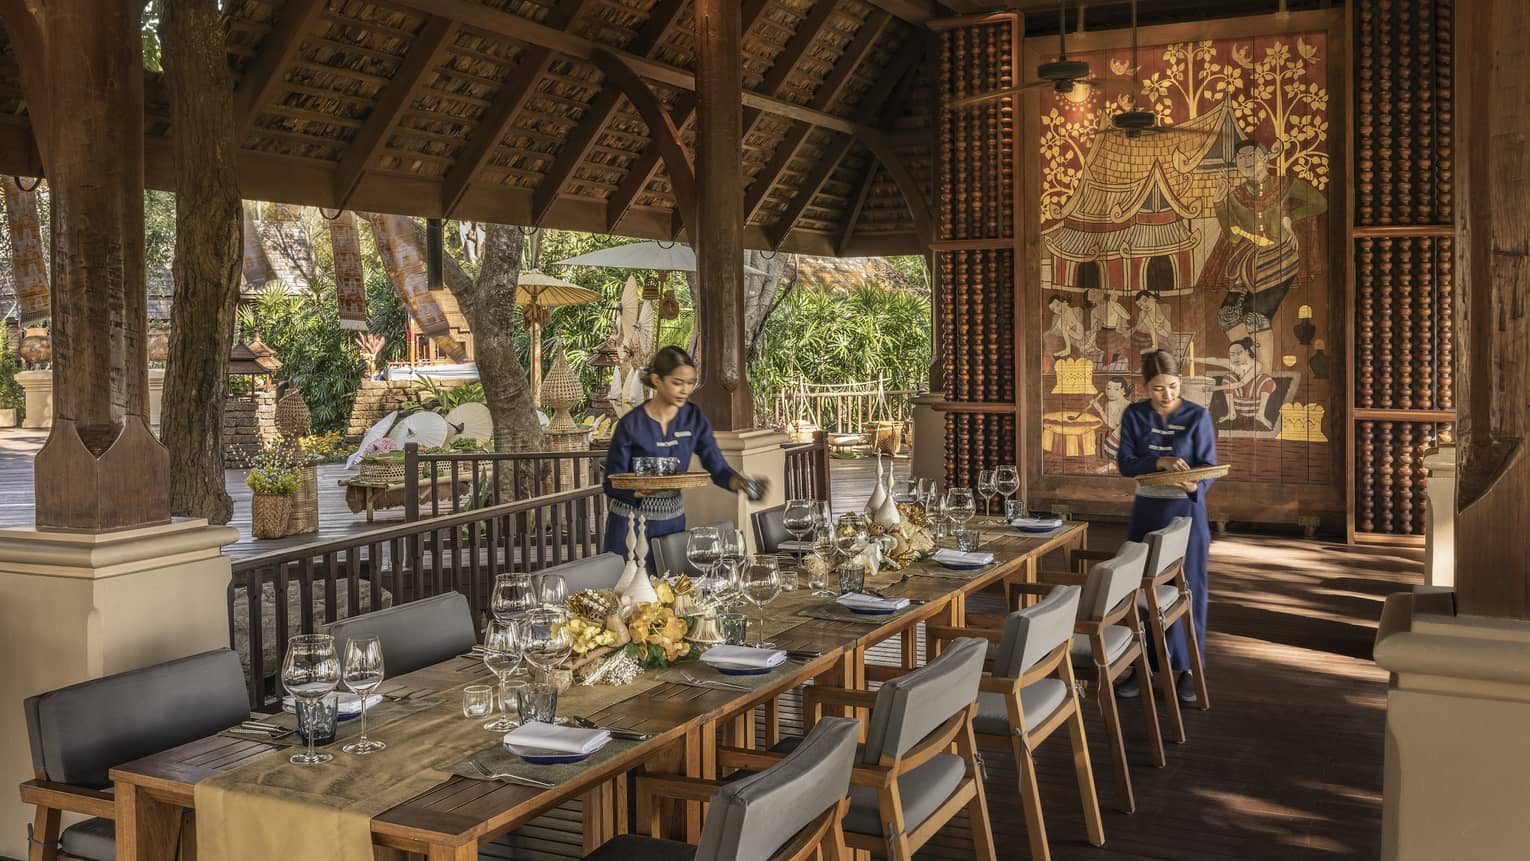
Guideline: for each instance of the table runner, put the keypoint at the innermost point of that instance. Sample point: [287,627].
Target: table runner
[499,760]
[676,675]
[273,809]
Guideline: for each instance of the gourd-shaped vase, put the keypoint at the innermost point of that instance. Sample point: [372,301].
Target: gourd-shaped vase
[878,494]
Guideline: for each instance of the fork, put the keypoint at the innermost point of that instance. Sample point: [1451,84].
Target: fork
[626,734]
[714,683]
[507,776]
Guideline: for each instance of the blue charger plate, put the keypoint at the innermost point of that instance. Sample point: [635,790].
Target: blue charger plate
[962,566]
[864,611]
[537,756]
[741,671]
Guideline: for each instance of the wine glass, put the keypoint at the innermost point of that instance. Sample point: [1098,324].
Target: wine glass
[310,672]
[512,596]
[823,516]
[552,590]
[761,583]
[1006,480]
[986,487]
[823,551]
[703,549]
[362,673]
[502,650]
[960,506]
[850,533]
[546,639]
[936,516]
[797,517]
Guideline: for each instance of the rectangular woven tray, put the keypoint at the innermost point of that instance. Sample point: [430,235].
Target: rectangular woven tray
[1198,474]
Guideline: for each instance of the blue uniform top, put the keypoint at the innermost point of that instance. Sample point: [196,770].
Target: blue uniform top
[1186,434]
[638,435]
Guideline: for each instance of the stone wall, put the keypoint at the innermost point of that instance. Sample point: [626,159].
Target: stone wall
[377,398]
[248,426]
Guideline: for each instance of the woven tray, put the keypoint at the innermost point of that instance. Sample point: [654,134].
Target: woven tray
[651,483]
[1198,474]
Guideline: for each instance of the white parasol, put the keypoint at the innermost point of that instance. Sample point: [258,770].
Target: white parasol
[646,255]
[471,420]
[373,434]
[424,429]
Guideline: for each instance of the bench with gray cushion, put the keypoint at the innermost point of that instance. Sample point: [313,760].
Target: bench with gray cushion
[791,810]
[592,572]
[414,635]
[79,733]
[770,529]
[668,552]
[916,716]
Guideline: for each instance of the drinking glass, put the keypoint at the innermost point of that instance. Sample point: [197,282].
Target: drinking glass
[552,590]
[987,488]
[318,719]
[850,534]
[477,701]
[823,551]
[538,703]
[310,672]
[851,577]
[362,673]
[960,506]
[734,628]
[1014,509]
[761,582]
[546,638]
[1006,480]
[511,597]
[703,549]
[502,652]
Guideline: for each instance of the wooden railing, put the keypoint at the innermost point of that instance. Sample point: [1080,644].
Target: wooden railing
[807,469]
[398,564]
[469,480]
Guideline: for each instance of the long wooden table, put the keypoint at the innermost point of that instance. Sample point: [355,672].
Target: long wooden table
[452,820]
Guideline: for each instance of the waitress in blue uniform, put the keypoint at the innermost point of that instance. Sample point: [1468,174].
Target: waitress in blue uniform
[663,426]
[1167,432]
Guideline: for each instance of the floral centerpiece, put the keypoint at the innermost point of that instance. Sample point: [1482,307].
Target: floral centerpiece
[905,543]
[612,650]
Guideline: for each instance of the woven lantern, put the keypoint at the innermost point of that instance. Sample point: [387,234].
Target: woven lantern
[292,416]
[561,391]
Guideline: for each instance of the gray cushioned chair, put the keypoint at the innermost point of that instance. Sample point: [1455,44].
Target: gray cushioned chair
[907,785]
[414,635]
[1165,599]
[592,572]
[79,733]
[770,529]
[791,810]
[668,551]
[1029,695]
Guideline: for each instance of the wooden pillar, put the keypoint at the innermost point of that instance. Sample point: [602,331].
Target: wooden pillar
[101,467]
[718,233]
[1493,330]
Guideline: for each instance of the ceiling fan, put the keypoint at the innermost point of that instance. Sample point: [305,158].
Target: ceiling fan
[1134,122]
[1061,74]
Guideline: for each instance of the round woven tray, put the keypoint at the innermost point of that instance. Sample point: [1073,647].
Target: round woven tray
[651,483]
[1198,474]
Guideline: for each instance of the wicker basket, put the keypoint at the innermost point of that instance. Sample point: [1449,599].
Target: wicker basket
[292,417]
[305,503]
[269,513]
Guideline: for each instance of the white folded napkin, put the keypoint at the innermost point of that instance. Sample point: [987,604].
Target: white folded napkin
[350,704]
[743,656]
[960,557]
[859,601]
[558,739]
[1036,522]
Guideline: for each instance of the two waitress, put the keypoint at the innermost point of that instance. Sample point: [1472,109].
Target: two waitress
[665,425]
[1167,432]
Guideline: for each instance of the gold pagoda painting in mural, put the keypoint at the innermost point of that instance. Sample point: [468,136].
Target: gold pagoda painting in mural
[1206,236]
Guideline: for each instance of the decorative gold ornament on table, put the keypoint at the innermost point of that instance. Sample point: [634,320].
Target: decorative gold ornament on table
[1074,377]
[912,513]
[615,669]
[593,605]
[901,545]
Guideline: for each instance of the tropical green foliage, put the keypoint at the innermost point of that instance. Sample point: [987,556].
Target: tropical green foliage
[11,394]
[436,398]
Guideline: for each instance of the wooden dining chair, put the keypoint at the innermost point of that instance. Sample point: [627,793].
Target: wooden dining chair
[1028,695]
[79,733]
[791,811]
[907,784]
[1165,599]
[414,635]
[669,551]
[1109,641]
[600,571]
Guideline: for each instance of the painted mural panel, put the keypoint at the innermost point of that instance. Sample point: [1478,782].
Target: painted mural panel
[1206,237]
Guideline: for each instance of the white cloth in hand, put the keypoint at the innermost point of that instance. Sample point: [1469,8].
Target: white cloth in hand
[558,739]
[743,656]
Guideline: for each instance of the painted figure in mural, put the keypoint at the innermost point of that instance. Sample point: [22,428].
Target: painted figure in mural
[1109,326]
[1268,238]
[1117,398]
[1067,335]
[1154,329]
[1249,389]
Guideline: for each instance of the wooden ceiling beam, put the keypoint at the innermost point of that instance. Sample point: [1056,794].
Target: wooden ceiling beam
[854,218]
[577,146]
[425,53]
[666,135]
[828,162]
[797,46]
[520,85]
[866,39]
[766,179]
[264,77]
[916,12]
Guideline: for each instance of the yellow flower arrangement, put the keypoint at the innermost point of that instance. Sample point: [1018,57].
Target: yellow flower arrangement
[658,635]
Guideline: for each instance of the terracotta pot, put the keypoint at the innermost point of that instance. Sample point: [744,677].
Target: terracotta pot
[36,347]
[159,345]
[269,513]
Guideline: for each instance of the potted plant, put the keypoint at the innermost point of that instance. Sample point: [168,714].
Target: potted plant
[273,480]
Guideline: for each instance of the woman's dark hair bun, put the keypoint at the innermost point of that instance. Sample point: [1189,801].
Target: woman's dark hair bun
[1158,362]
[665,362]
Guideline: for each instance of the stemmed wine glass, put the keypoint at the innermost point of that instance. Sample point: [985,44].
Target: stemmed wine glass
[362,673]
[797,517]
[850,534]
[960,506]
[502,651]
[761,583]
[546,639]
[511,597]
[310,672]
[703,549]
[823,551]
[986,487]
[552,590]
[725,588]
[1006,480]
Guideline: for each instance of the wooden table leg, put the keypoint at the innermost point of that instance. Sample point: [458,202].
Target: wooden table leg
[466,852]
[148,829]
[605,812]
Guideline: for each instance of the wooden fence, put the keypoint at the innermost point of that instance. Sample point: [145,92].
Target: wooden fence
[480,479]
[807,469]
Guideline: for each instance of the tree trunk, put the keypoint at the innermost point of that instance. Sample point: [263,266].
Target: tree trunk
[208,256]
[489,304]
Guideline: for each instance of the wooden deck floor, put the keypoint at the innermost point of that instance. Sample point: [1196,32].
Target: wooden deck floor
[1286,765]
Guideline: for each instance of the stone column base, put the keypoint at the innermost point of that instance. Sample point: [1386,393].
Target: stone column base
[77,606]
[38,386]
[1440,519]
[1456,743]
[929,454]
[751,452]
